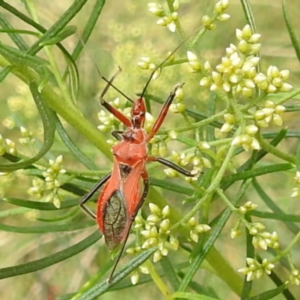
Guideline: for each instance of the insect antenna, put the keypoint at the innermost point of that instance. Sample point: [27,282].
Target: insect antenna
[160,65]
[104,78]
[112,85]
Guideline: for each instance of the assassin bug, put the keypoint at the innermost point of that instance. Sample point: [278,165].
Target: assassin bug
[121,196]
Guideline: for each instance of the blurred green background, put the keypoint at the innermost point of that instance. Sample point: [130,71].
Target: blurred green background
[125,32]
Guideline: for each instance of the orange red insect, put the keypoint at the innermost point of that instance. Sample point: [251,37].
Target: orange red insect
[122,194]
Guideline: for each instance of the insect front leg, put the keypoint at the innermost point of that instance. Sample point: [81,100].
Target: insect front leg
[90,194]
[163,113]
[171,165]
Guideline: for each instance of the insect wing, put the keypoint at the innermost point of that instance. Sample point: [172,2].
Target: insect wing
[132,190]
[114,219]
[118,204]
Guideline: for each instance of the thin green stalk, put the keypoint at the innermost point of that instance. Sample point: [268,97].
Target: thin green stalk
[199,124]
[54,66]
[68,112]
[158,280]
[275,151]
[214,185]
[288,249]
[178,24]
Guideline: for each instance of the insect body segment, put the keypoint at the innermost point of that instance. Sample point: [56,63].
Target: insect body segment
[122,193]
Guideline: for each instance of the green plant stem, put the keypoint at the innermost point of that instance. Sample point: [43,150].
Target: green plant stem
[288,96]
[214,185]
[199,124]
[224,270]
[178,24]
[238,113]
[51,58]
[233,208]
[273,150]
[68,112]
[226,200]
[288,249]
[158,280]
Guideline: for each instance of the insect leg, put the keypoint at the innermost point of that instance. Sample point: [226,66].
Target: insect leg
[163,113]
[117,134]
[89,195]
[143,197]
[145,192]
[110,108]
[171,165]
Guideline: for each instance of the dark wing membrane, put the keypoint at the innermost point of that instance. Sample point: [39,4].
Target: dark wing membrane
[115,220]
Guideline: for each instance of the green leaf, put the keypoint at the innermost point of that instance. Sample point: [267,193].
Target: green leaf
[4,72]
[257,172]
[57,27]
[66,32]
[70,214]
[79,155]
[100,288]
[250,20]
[191,296]
[21,58]
[298,158]
[290,30]
[168,185]
[213,235]
[89,27]
[71,63]
[16,38]
[41,205]
[50,260]
[47,117]
[48,228]
[269,294]
[275,216]
[273,206]
[169,272]
[250,252]
[13,212]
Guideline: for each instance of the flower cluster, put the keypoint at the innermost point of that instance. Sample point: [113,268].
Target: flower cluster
[248,206]
[37,189]
[166,18]
[193,61]
[183,159]
[256,269]
[52,182]
[263,239]
[247,140]
[237,72]
[230,121]
[27,136]
[7,146]
[295,277]
[178,106]
[196,229]
[296,190]
[269,113]
[155,231]
[220,7]
[158,146]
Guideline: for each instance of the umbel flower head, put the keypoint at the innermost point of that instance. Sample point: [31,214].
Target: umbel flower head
[237,71]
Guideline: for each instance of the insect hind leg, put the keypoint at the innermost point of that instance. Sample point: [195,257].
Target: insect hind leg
[90,194]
